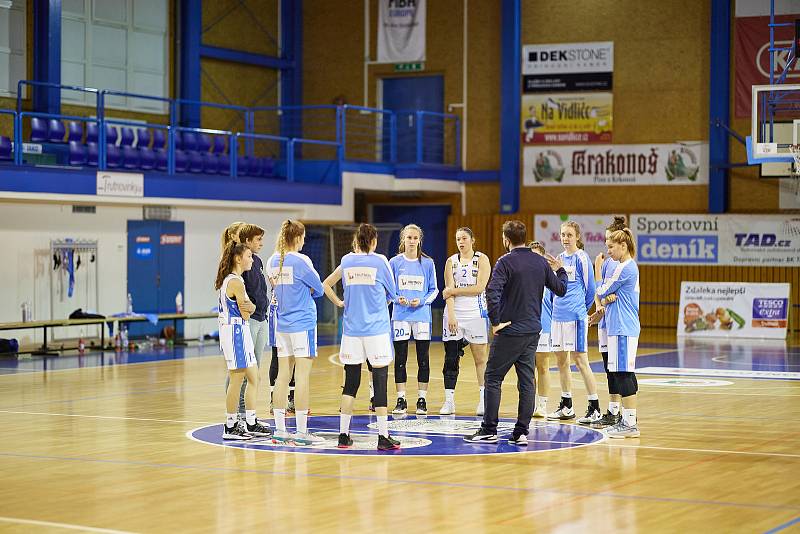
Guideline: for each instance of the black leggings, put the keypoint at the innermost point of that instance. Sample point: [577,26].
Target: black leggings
[273,369]
[423,361]
[453,351]
[621,383]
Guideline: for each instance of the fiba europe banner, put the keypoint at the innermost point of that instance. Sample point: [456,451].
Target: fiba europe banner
[547,230]
[733,309]
[401,31]
[662,164]
[567,118]
[757,240]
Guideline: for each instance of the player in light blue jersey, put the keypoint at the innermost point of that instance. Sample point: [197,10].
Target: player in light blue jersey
[366,332]
[570,325]
[545,347]
[620,296]
[236,342]
[415,276]
[295,285]
[612,415]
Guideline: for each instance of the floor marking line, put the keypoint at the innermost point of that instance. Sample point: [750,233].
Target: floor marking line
[783,526]
[67,526]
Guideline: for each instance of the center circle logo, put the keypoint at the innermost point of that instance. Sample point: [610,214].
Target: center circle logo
[418,436]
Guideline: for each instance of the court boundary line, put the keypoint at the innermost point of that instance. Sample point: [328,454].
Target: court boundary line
[784,526]
[66,526]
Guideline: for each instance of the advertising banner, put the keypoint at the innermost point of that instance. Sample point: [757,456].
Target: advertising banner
[657,164]
[733,309]
[401,31]
[547,230]
[755,240]
[567,118]
[567,67]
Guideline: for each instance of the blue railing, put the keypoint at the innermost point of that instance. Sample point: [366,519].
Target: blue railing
[353,133]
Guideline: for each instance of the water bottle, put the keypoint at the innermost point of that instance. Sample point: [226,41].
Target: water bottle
[179,302]
[26,313]
[81,345]
[129,309]
[124,337]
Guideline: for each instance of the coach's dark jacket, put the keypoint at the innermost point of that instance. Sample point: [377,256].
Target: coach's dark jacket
[515,291]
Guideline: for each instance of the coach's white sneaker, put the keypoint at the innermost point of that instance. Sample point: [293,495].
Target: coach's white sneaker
[448,408]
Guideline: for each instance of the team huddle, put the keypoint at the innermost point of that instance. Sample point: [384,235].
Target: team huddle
[272,303]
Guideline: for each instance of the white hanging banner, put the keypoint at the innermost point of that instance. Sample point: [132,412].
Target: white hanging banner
[401,31]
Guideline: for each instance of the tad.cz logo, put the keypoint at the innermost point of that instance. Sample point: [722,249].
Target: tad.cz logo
[678,248]
[761,241]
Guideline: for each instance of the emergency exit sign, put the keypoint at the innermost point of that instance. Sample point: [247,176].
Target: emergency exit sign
[409,67]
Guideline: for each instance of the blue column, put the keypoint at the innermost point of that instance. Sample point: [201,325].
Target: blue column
[191,30]
[292,76]
[47,54]
[719,106]
[510,96]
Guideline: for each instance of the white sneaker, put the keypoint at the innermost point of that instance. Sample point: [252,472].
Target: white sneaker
[281,437]
[591,416]
[540,411]
[562,414]
[480,409]
[622,430]
[306,438]
[448,408]
[521,440]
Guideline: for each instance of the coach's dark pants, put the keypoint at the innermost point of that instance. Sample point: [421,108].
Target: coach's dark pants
[507,351]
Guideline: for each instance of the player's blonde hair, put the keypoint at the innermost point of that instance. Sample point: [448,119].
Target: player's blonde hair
[402,247]
[625,236]
[577,227]
[231,234]
[288,235]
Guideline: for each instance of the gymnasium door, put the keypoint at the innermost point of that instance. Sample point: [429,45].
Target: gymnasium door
[432,219]
[409,94]
[155,270]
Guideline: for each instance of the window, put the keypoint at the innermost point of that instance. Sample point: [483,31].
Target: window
[13,67]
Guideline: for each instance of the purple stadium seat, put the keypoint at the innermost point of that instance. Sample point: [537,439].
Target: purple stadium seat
[210,165]
[268,167]
[75,131]
[203,142]
[126,138]
[181,161]
[223,163]
[5,148]
[242,166]
[159,139]
[255,167]
[195,162]
[130,156]
[147,159]
[92,132]
[77,153]
[56,131]
[161,159]
[142,138]
[111,135]
[92,156]
[189,141]
[38,130]
[219,145]
[113,156]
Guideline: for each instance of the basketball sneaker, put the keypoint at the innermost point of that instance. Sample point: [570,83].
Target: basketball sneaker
[481,437]
[306,438]
[448,408]
[480,408]
[521,440]
[608,419]
[401,406]
[422,407]
[345,441]
[539,411]
[259,430]
[387,444]
[236,432]
[282,438]
[623,430]
[563,413]
[592,415]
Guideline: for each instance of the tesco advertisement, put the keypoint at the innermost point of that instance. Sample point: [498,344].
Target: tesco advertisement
[754,240]
[733,309]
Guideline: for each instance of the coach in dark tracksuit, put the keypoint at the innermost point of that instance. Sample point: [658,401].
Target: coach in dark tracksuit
[514,301]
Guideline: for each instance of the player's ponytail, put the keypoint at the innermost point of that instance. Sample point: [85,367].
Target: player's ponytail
[288,235]
[230,234]
[363,237]
[619,223]
[232,251]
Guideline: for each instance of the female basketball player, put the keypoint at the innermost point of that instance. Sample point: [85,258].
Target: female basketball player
[366,332]
[415,276]
[569,328]
[236,342]
[612,415]
[296,283]
[465,320]
[544,349]
[620,296]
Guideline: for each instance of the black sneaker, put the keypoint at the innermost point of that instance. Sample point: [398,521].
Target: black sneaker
[422,407]
[563,413]
[372,404]
[396,442]
[387,444]
[592,415]
[235,432]
[345,441]
[609,419]
[401,407]
[519,440]
[259,430]
[481,437]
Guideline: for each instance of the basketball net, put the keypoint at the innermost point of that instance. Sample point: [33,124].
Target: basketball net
[795,150]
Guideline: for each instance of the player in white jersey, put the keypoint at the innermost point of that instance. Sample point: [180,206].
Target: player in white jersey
[415,275]
[545,346]
[237,343]
[366,331]
[570,326]
[466,320]
[620,296]
[295,285]
[612,415]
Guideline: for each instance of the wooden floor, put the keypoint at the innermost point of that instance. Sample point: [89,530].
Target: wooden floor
[105,449]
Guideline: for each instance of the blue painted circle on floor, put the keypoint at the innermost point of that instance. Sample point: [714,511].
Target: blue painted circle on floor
[418,435]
